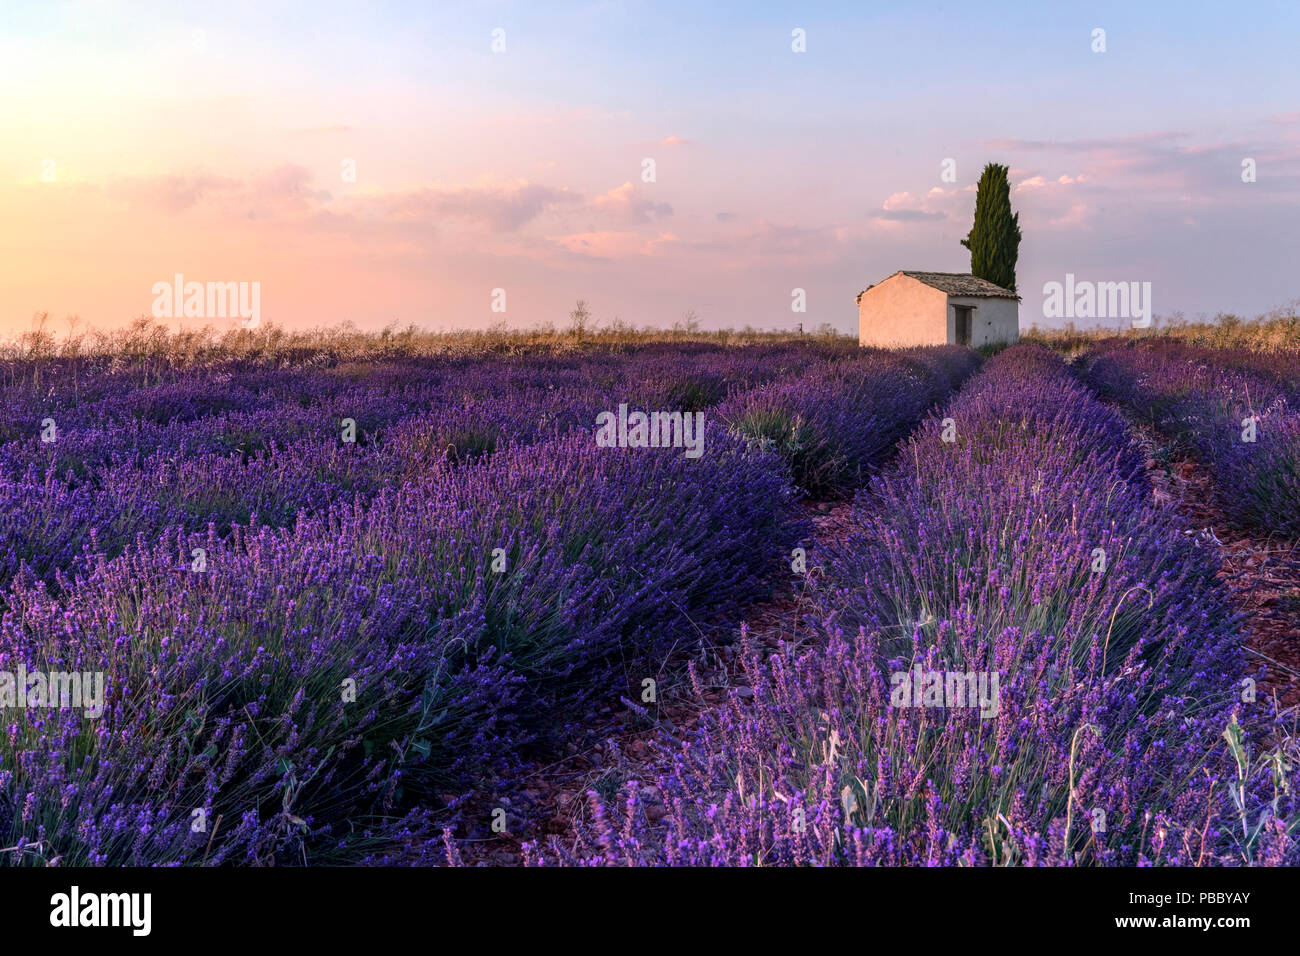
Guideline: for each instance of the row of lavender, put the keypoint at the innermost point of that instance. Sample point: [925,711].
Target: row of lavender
[94,458]
[310,692]
[220,446]
[1238,411]
[835,422]
[1015,545]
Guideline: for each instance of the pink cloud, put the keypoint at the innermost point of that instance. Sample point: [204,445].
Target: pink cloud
[626,203]
[613,244]
[284,189]
[904,207]
[1085,145]
[287,188]
[317,130]
[498,207]
[1041,182]
[173,194]
[1074,216]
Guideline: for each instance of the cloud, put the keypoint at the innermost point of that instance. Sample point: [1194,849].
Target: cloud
[1086,145]
[613,244]
[668,142]
[1163,168]
[287,187]
[904,207]
[1074,216]
[1040,182]
[173,194]
[784,241]
[498,207]
[284,189]
[910,215]
[626,204]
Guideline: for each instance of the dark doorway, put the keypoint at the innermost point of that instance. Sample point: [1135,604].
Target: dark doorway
[963,323]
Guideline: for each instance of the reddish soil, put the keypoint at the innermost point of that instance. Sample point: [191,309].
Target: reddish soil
[1262,572]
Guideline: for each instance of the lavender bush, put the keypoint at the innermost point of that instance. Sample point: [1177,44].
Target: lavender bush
[306,642]
[835,422]
[314,648]
[1234,410]
[978,556]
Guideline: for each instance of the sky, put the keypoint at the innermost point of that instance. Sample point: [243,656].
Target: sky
[463,165]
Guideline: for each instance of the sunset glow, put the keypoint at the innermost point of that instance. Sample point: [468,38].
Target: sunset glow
[144,140]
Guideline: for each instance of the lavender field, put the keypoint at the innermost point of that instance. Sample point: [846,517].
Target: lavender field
[656,603]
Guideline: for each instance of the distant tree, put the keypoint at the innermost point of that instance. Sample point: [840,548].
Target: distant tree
[579,318]
[994,239]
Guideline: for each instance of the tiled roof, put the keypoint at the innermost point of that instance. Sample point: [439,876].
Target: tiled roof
[955,283]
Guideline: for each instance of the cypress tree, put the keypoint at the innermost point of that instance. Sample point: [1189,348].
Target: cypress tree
[994,239]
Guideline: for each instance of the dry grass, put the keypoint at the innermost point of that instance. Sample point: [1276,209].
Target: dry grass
[146,341]
[1274,331]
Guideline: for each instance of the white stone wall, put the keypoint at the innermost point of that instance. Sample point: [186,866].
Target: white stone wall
[995,319]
